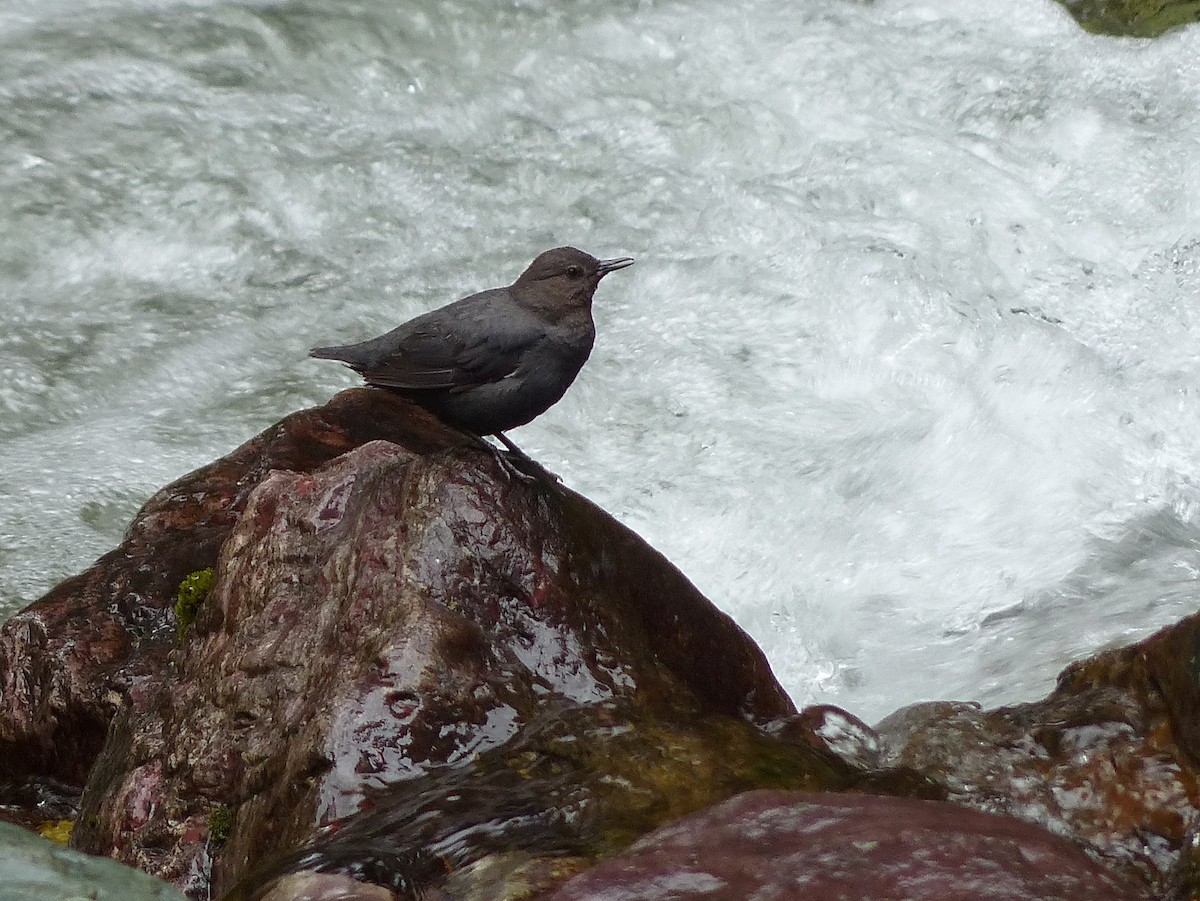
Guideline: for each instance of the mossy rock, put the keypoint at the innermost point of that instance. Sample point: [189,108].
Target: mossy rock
[1133,18]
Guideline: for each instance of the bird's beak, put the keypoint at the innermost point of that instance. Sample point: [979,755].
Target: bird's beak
[607,266]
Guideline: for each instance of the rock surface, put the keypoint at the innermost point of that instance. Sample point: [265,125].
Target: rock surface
[830,847]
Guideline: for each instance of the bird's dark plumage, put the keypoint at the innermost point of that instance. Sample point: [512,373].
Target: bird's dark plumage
[497,359]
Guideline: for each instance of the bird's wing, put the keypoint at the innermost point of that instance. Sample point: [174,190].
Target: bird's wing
[472,342]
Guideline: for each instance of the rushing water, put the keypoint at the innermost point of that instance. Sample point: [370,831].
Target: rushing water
[905,379]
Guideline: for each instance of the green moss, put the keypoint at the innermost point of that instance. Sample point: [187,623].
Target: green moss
[192,592]
[220,822]
[647,770]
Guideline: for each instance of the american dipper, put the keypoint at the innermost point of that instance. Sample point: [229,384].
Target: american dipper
[497,359]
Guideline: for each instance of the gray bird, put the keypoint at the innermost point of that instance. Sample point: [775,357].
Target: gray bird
[497,359]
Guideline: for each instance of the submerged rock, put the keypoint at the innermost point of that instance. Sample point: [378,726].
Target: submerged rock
[767,844]
[35,869]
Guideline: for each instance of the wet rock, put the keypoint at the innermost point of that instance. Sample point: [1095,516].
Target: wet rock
[393,614]
[35,869]
[580,783]
[1109,759]
[66,659]
[767,844]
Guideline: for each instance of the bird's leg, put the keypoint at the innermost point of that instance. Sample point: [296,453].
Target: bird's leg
[513,449]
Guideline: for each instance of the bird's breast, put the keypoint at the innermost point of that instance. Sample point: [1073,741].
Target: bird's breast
[569,348]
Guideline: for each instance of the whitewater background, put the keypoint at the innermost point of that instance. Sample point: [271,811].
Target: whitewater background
[906,375]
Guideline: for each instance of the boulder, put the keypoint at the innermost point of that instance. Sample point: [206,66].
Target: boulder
[767,844]
[387,618]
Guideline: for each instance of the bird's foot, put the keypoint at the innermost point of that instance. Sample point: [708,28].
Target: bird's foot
[524,458]
[510,468]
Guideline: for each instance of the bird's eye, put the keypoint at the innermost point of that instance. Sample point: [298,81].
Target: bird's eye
[574,271]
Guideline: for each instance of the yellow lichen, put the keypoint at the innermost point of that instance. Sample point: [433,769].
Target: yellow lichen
[57,830]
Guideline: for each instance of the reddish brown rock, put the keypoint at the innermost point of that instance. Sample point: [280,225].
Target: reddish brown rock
[832,847]
[66,659]
[390,614]
[1108,759]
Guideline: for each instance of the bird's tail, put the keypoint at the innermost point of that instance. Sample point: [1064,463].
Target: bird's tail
[329,353]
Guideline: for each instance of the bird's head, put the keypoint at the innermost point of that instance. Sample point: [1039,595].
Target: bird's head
[564,276]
